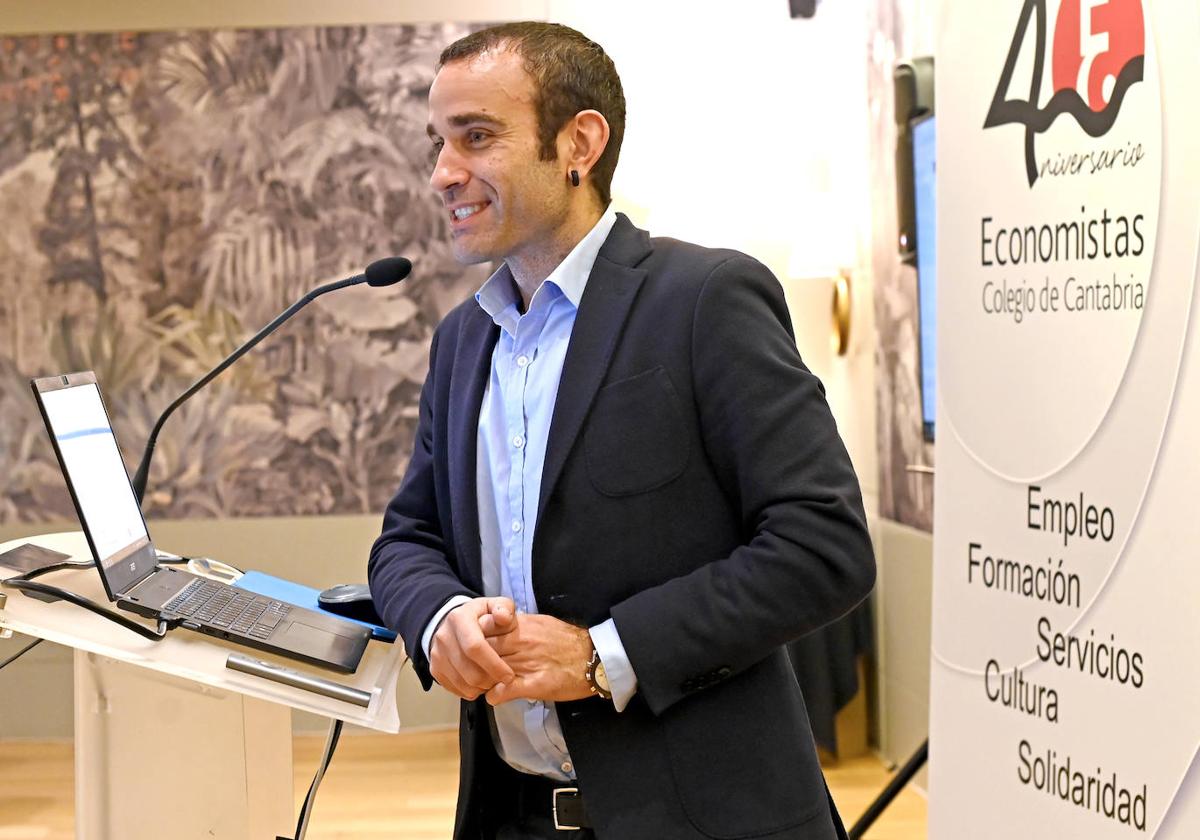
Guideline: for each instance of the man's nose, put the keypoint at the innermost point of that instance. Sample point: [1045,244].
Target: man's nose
[448,171]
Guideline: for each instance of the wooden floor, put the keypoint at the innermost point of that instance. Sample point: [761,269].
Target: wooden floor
[398,787]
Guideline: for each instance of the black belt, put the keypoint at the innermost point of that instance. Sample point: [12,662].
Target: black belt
[560,801]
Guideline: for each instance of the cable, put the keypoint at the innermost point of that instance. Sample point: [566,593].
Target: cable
[331,742]
[20,653]
[25,583]
[886,796]
[335,732]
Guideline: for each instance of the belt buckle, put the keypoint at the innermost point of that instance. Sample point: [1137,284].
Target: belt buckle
[574,791]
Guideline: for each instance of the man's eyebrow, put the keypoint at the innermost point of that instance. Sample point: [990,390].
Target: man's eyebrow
[469,118]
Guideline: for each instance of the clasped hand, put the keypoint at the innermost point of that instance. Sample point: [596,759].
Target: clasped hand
[485,647]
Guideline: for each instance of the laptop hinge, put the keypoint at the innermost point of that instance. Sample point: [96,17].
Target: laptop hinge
[153,571]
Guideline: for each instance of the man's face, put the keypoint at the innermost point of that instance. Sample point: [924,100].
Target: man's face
[501,200]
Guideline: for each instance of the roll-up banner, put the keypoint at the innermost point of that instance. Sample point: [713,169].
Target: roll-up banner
[1065,697]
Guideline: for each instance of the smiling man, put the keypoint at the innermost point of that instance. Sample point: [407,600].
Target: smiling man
[626,492]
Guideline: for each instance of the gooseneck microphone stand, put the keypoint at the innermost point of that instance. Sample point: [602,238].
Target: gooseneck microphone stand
[383,272]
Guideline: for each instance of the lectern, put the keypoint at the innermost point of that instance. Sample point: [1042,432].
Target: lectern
[169,742]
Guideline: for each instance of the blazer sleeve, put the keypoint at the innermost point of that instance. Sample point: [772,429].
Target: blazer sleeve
[774,447]
[408,571]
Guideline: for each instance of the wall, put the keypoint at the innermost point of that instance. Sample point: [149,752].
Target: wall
[903,599]
[746,129]
[898,30]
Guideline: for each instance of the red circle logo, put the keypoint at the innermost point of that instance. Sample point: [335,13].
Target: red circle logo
[1093,42]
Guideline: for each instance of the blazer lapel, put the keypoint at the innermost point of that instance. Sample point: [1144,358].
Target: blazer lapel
[468,379]
[607,299]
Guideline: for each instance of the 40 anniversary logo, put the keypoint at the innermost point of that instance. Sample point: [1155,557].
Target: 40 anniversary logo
[1098,54]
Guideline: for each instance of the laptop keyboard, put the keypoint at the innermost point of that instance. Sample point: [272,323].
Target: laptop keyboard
[228,608]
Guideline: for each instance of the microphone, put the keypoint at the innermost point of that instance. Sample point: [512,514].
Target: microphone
[384,272]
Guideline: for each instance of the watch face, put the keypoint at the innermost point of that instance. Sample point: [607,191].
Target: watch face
[596,676]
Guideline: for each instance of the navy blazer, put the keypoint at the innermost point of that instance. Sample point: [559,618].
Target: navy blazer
[695,489]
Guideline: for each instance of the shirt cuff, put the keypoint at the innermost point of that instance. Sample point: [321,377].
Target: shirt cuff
[432,626]
[621,679]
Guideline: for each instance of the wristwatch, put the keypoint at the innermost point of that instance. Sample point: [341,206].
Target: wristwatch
[597,679]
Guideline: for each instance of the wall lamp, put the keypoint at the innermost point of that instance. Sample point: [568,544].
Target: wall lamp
[841,312]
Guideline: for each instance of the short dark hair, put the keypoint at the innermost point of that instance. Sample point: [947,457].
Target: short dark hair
[570,74]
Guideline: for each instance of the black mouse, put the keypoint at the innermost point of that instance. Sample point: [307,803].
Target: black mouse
[352,600]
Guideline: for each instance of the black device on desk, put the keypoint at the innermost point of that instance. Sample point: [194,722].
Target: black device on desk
[352,600]
[112,521]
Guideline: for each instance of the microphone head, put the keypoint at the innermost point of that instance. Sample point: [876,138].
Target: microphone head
[387,271]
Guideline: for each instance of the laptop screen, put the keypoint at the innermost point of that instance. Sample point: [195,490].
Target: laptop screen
[91,461]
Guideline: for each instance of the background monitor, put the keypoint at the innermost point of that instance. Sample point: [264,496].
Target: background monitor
[925,204]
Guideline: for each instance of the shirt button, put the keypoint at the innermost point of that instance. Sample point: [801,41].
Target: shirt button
[522,360]
[518,441]
[566,767]
[516,525]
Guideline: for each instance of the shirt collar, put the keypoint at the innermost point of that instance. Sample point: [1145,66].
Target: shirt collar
[499,292]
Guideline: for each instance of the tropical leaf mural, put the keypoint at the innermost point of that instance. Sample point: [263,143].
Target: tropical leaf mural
[165,194]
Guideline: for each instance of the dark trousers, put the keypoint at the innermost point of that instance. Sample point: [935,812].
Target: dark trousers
[539,828]
[523,811]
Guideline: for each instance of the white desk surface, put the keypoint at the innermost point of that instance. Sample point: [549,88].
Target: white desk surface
[186,654]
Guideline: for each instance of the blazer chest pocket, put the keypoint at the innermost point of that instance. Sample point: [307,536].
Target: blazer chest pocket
[636,440]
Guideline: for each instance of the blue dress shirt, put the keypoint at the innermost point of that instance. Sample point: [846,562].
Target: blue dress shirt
[514,427]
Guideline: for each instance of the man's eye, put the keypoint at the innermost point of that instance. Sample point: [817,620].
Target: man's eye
[434,150]
[476,137]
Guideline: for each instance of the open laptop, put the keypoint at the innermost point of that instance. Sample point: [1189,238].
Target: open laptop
[128,563]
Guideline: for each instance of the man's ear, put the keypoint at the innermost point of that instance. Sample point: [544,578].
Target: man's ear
[582,141]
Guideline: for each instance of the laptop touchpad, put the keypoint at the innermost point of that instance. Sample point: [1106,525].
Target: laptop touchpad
[307,637]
